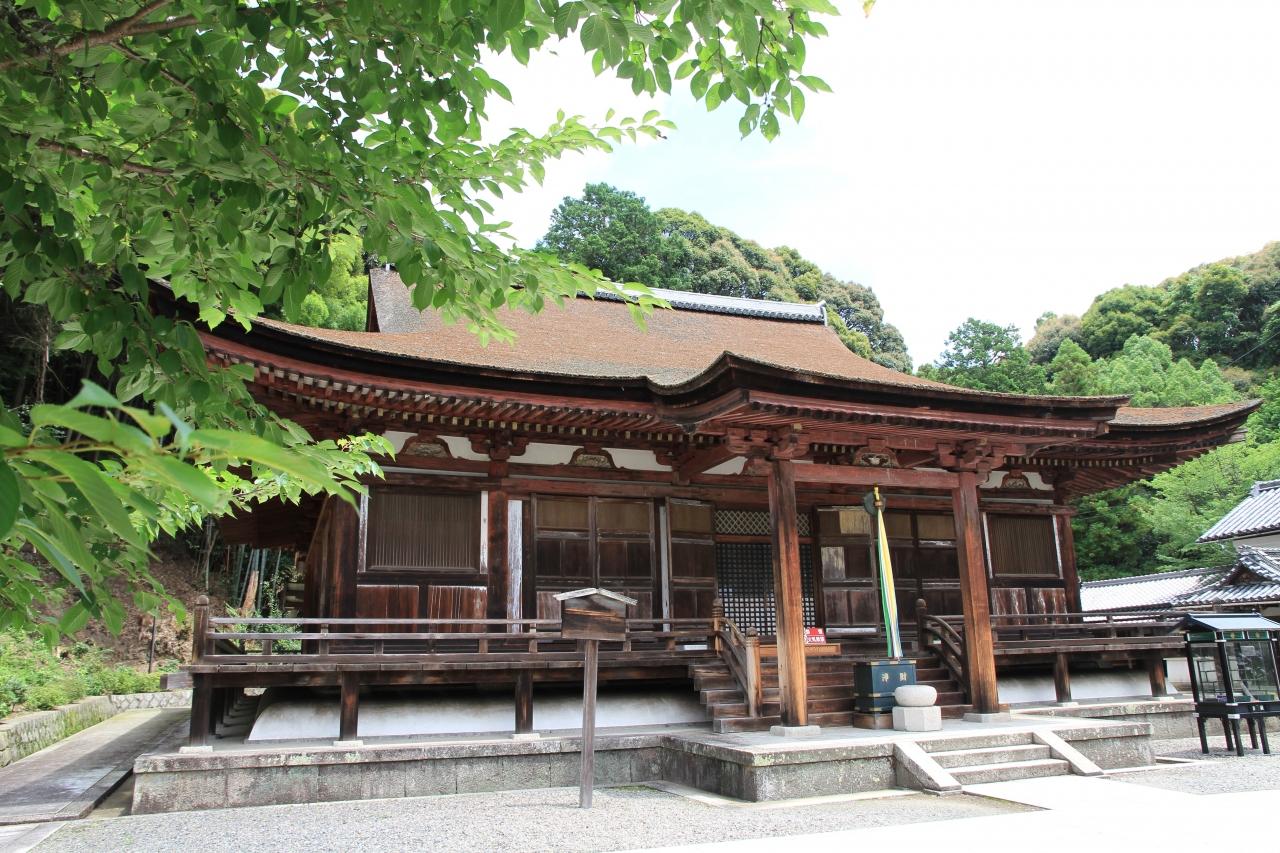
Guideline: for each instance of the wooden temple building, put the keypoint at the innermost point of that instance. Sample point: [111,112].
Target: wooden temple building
[712,466]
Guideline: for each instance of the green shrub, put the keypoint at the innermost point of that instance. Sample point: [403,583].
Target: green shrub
[35,677]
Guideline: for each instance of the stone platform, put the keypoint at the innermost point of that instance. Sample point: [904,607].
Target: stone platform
[746,766]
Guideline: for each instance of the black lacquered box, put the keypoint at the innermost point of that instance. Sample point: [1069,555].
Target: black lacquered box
[874,683]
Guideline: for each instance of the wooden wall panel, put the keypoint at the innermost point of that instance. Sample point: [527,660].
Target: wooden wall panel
[1009,601]
[457,602]
[387,601]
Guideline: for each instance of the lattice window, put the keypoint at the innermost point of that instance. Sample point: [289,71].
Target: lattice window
[753,522]
[744,573]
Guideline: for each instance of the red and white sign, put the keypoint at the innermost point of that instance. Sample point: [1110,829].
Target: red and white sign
[815,637]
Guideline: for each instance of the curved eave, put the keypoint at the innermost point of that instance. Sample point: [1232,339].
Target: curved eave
[679,402]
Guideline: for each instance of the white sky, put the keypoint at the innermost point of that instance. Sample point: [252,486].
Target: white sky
[990,159]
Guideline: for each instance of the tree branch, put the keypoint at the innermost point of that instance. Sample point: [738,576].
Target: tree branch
[126,165]
[131,26]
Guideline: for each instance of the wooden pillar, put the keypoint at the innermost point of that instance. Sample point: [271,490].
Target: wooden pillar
[343,556]
[497,569]
[1156,675]
[524,701]
[349,714]
[788,595]
[201,710]
[1067,554]
[1061,677]
[201,689]
[980,659]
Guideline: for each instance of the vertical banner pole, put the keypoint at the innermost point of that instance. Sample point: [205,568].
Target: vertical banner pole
[888,595]
[590,664]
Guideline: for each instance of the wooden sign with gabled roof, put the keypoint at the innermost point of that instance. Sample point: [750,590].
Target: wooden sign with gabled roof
[742,434]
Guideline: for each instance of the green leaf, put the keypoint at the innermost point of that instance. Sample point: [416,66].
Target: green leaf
[506,15]
[93,485]
[594,33]
[282,104]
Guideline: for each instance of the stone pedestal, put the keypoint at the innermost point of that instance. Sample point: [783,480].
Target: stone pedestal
[918,719]
[794,731]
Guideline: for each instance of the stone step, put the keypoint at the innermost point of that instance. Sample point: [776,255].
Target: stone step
[983,741]
[1010,771]
[992,755]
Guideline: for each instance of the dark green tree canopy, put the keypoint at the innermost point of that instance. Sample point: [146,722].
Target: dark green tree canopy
[988,357]
[614,231]
[610,230]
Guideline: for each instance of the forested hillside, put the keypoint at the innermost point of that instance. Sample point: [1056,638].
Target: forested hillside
[1209,335]
[614,231]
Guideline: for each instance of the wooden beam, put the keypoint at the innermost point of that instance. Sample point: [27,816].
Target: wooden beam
[702,460]
[852,475]
[980,659]
[788,594]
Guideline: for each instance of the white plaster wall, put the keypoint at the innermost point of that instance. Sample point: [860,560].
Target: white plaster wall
[636,460]
[995,477]
[386,716]
[733,466]
[1121,683]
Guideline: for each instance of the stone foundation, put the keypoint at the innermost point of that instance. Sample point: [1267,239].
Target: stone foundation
[746,767]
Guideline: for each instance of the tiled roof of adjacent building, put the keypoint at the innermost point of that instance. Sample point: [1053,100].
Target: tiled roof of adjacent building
[1257,514]
[1253,579]
[1145,592]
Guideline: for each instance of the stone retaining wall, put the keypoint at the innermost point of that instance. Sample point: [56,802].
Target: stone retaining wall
[23,734]
[31,732]
[162,699]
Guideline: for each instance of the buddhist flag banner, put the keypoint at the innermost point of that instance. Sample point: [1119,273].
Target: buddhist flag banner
[888,597]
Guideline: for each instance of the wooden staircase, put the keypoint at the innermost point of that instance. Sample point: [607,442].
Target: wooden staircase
[830,693]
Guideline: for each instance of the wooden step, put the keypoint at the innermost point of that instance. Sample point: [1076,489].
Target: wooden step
[1009,771]
[992,755]
[758,724]
[770,709]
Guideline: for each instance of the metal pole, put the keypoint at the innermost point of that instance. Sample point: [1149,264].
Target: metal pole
[592,648]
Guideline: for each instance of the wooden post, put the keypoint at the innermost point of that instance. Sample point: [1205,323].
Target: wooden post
[922,614]
[1156,675]
[788,596]
[717,623]
[524,701]
[1067,553]
[588,772]
[1061,677]
[349,714]
[201,710]
[201,689]
[980,658]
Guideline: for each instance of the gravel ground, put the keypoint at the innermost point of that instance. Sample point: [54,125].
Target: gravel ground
[622,818]
[1221,772]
